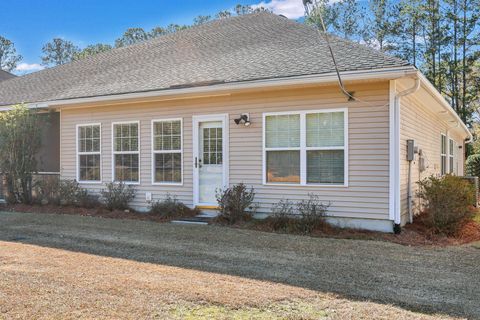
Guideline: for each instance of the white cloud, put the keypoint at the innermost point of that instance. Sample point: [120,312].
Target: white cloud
[292,9]
[29,67]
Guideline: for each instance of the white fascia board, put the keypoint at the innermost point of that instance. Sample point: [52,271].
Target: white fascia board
[380,74]
[428,86]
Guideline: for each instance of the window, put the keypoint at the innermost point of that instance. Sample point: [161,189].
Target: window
[167,151]
[126,152]
[88,153]
[443,155]
[212,145]
[451,153]
[307,147]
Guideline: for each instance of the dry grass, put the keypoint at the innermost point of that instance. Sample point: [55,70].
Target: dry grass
[45,283]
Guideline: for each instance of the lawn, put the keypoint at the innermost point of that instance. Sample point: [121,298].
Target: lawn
[88,267]
[38,282]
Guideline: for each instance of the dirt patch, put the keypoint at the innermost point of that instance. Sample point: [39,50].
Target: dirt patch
[46,283]
[96,212]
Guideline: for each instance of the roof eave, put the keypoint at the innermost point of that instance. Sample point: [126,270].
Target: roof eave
[373,74]
[446,106]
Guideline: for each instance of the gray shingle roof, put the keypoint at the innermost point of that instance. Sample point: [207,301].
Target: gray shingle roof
[4,75]
[250,47]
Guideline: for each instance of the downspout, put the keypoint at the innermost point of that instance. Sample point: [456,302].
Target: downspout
[397,213]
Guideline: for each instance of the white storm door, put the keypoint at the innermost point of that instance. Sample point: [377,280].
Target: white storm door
[210,158]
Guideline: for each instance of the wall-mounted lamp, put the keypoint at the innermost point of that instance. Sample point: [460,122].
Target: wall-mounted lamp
[245,117]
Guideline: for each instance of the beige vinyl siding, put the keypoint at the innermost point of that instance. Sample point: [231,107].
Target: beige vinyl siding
[425,127]
[367,193]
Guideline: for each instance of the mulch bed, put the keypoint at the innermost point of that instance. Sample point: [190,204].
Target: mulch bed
[415,234]
[93,212]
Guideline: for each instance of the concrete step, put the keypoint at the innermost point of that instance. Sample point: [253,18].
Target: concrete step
[204,217]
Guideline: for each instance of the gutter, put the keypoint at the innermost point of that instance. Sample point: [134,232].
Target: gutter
[196,91]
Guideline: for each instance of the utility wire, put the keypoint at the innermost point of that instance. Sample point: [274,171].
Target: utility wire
[316,12]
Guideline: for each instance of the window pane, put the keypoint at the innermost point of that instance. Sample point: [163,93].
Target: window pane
[167,135]
[450,150]
[283,166]
[325,166]
[282,131]
[89,167]
[126,137]
[126,167]
[168,167]
[89,139]
[325,129]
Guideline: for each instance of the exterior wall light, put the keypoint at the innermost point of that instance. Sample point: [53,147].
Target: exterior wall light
[245,117]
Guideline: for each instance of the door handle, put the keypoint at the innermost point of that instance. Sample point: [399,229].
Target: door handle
[198,163]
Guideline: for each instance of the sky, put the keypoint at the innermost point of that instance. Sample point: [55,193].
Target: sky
[31,24]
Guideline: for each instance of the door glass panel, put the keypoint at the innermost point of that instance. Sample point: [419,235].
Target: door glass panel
[210,160]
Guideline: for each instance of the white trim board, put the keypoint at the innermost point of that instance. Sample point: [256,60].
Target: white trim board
[154,152]
[127,152]
[196,119]
[77,154]
[303,149]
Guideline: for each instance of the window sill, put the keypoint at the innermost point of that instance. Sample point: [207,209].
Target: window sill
[90,182]
[167,183]
[305,185]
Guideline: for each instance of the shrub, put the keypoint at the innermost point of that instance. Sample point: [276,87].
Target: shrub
[47,190]
[118,195]
[448,202]
[308,216]
[281,218]
[472,165]
[51,190]
[171,207]
[70,192]
[233,203]
[312,213]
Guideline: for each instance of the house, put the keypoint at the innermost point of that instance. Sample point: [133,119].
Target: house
[4,75]
[252,99]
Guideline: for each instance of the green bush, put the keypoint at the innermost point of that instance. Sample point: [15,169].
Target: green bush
[308,216]
[171,207]
[117,196]
[472,165]
[448,203]
[236,204]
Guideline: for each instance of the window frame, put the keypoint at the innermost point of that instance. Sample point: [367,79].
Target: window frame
[451,156]
[79,153]
[154,152]
[443,170]
[303,148]
[114,153]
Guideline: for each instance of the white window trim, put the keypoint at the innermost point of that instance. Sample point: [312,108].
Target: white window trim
[78,154]
[442,136]
[451,156]
[154,152]
[126,152]
[303,149]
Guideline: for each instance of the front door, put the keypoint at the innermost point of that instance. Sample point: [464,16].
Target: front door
[210,158]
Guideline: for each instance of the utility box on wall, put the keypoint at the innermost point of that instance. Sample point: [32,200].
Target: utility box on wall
[410,150]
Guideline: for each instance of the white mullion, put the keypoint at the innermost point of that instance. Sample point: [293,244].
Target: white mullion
[303,151]
[325,148]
